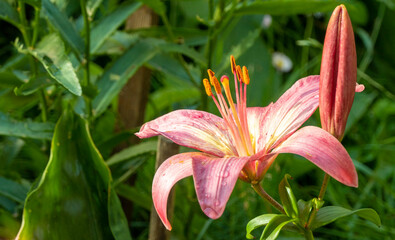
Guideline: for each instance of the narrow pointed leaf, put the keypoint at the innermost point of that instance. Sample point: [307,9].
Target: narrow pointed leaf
[91,6]
[258,222]
[8,13]
[330,214]
[133,151]
[110,23]
[65,28]
[274,227]
[304,209]
[50,51]
[26,129]
[112,81]
[287,198]
[74,198]
[291,7]
[13,190]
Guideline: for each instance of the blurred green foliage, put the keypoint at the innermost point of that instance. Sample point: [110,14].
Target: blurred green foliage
[59,53]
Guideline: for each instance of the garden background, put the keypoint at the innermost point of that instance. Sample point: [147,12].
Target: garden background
[78,79]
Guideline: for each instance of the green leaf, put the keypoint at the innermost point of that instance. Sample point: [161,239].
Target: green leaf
[33,85]
[274,226]
[34,3]
[27,129]
[13,190]
[91,6]
[135,195]
[110,23]
[51,53]
[156,5]
[133,151]
[357,10]
[112,81]
[166,97]
[63,26]
[304,209]
[287,197]
[8,13]
[330,214]
[9,79]
[8,225]
[245,44]
[74,198]
[257,222]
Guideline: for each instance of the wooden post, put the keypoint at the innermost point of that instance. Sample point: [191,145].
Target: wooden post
[133,97]
[157,230]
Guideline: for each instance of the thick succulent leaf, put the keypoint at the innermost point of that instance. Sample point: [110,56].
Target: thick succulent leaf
[110,23]
[274,226]
[50,51]
[257,222]
[112,81]
[65,28]
[192,128]
[8,13]
[74,198]
[287,198]
[27,129]
[324,150]
[330,214]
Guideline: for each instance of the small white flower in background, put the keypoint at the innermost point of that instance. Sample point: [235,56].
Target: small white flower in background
[266,21]
[281,62]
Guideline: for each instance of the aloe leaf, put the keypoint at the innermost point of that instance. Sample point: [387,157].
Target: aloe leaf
[74,198]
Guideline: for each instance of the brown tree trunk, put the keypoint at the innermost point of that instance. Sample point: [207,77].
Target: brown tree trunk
[133,97]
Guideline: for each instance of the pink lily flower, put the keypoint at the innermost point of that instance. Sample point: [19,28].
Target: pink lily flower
[243,143]
[338,73]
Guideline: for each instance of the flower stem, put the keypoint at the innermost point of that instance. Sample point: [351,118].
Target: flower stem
[308,234]
[258,189]
[320,198]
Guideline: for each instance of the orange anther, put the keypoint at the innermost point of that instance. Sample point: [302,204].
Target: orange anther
[216,85]
[239,73]
[246,77]
[210,75]
[232,63]
[207,87]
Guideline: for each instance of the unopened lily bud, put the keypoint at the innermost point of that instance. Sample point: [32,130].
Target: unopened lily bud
[338,74]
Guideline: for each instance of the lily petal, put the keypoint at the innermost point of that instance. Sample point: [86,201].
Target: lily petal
[256,118]
[191,128]
[290,111]
[324,150]
[169,173]
[214,180]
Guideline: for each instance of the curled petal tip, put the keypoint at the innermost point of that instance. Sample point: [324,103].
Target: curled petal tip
[359,87]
